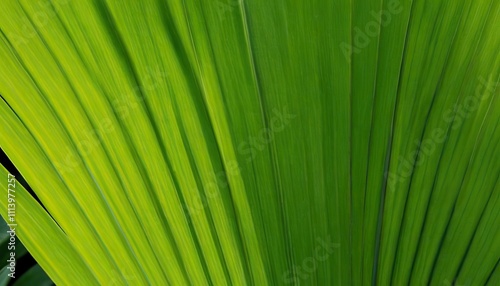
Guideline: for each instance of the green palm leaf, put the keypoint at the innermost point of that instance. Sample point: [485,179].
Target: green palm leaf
[231,142]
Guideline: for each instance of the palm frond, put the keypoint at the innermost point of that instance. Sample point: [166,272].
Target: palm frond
[232,142]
